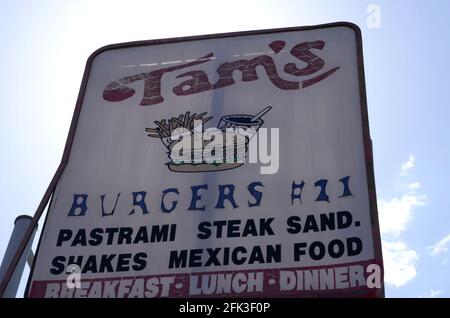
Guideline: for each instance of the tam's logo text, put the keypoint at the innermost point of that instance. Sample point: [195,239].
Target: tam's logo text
[198,81]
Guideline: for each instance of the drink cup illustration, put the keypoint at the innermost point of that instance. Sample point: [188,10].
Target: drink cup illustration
[237,121]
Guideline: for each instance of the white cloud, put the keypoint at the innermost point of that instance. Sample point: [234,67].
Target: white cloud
[440,247]
[396,213]
[407,165]
[413,187]
[435,293]
[399,263]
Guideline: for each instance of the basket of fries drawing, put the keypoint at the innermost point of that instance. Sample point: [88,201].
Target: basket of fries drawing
[234,143]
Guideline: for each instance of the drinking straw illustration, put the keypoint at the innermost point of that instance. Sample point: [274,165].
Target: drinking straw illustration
[261,113]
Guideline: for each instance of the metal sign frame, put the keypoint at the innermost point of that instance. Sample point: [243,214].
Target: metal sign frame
[367,142]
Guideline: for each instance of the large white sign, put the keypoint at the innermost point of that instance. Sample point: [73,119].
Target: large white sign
[129,218]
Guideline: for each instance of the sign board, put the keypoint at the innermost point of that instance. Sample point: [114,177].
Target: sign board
[128,218]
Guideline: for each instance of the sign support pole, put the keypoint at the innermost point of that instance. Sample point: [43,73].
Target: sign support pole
[21,224]
[17,262]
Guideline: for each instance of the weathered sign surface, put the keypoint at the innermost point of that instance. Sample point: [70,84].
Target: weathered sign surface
[128,219]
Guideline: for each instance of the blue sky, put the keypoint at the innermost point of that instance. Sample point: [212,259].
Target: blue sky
[45,45]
